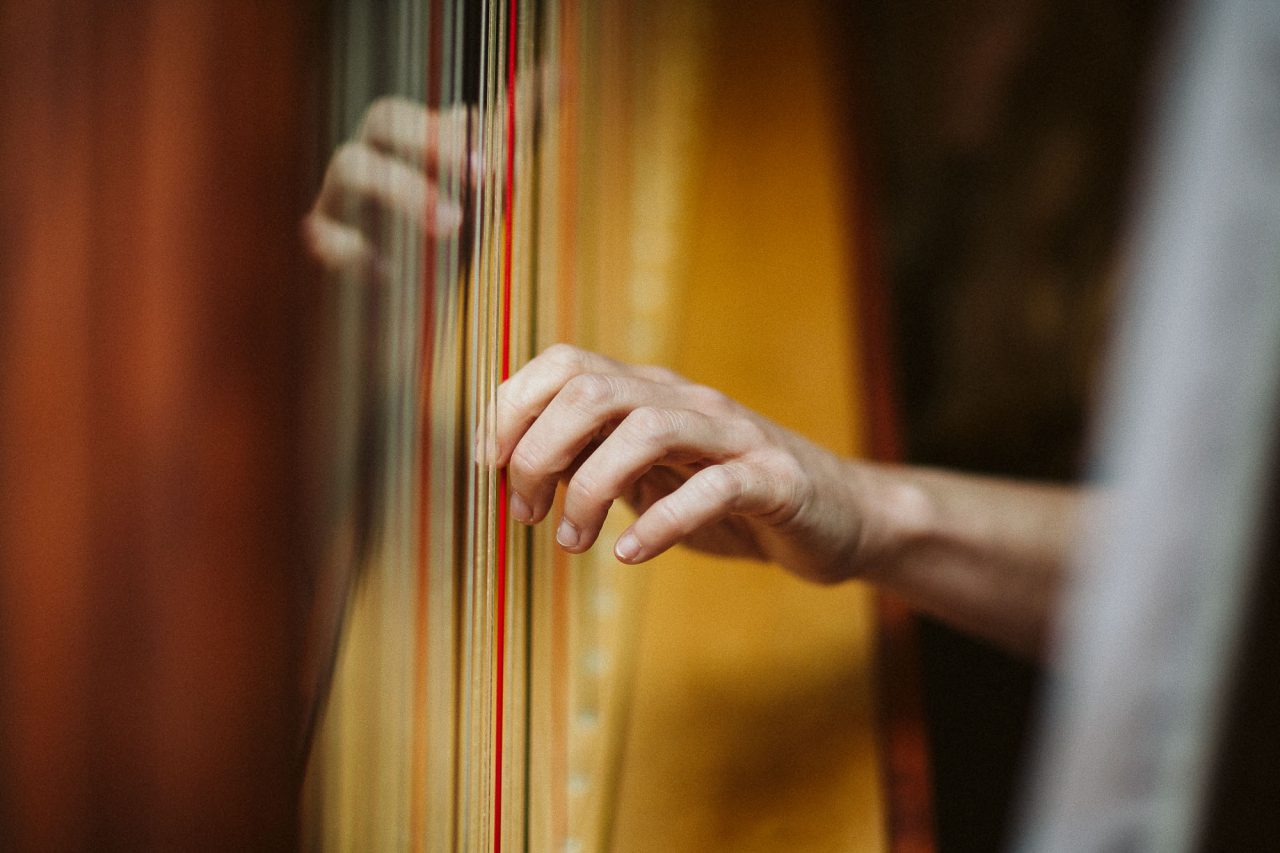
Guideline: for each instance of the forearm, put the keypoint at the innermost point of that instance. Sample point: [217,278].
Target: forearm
[982,554]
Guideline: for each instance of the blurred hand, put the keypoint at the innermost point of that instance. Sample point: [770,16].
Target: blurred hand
[394,167]
[695,466]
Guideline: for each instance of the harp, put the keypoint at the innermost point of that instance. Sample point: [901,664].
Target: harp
[634,178]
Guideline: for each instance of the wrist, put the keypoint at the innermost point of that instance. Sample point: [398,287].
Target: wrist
[894,511]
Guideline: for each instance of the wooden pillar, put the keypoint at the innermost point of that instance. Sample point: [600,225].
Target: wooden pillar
[152,317]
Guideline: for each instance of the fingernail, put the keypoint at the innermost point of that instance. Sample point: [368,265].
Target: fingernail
[448,216]
[628,547]
[520,509]
[567,534]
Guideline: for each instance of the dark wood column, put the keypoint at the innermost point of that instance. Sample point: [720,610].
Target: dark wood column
[153,304]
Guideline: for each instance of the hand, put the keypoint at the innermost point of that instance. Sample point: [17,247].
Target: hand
[394,167]
[695,466]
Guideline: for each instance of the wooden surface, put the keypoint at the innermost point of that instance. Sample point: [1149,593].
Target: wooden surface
[150,304]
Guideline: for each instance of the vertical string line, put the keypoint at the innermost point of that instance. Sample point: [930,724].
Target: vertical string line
[433,71]
[504,371]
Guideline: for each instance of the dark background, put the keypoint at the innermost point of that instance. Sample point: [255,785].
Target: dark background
[1003,139]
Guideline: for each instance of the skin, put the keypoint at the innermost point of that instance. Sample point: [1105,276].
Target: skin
[698,468]
[394,165]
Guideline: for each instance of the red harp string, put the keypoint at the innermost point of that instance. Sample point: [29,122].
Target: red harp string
[504,371]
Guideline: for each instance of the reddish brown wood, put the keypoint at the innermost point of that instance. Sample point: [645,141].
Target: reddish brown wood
[904,739]
[152,309]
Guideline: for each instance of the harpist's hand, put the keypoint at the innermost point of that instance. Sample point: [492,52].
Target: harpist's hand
[697,467]
[983,554]
[395,167]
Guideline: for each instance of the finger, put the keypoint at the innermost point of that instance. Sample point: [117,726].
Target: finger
[431,139]
[586,408]
[645,438]
[359,175]
[334,245]
[734,488]
[524,396]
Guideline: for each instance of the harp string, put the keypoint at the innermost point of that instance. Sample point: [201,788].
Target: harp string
[468,708]
[504,372]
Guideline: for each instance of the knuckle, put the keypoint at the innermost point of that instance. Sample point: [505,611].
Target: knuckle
[786,481]
[517,397]
[583,490]
[722,482]
[524,401]
[589,390]
[774,461]
[526,461]
[649,424]
[792,471]
[664,375]
[710,400]
[350,162]
[752,433]
[563,354]
[378,115]
[668,515]
[773,467]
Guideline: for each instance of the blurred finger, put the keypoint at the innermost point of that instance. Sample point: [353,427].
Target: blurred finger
[431,139]
[334,245]
[359,176]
